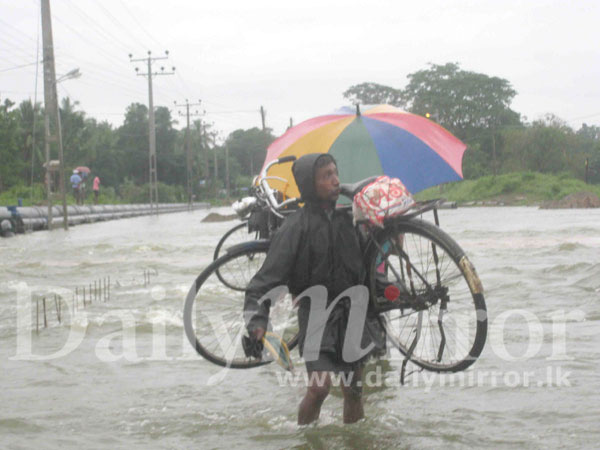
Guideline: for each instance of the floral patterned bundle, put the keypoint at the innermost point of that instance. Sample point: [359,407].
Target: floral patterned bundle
[385,197]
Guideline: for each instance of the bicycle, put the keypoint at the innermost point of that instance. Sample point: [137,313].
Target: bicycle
[422,285]
[261,215]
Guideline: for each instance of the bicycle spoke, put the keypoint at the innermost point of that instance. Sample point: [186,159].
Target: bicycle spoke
[448,332]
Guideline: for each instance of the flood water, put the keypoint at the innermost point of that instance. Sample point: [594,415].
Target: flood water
[120,374]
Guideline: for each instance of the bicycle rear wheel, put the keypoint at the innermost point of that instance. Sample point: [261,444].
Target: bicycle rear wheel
[435,311]
[213,312]
[234,236]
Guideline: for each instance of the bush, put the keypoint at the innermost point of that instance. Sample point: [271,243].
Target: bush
[30,195]
[510,186]
[528,176]
[530,187]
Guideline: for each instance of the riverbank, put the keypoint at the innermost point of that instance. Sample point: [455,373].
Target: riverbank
[512,189]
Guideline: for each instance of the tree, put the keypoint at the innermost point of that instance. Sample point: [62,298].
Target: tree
[11,151]
[170,160]
[132,143]
[249,148]
[589,143]
[473,106]
[462,101]
[374,94]
[32,141]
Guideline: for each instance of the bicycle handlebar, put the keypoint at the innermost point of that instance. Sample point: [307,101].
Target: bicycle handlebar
[268,191]
[286,159]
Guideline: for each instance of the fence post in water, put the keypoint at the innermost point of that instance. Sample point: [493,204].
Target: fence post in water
[109,287]
[84,297]
[57,306]
[44,306]
[90,292]
[37,315]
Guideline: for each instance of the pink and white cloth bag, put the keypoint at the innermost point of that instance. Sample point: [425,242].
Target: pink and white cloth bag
[385,197]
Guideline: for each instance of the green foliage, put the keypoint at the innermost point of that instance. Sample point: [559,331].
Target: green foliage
[514,188]
[248,147]
[11,146]
[374,94]
[462,101]
[30,195]
[475,107]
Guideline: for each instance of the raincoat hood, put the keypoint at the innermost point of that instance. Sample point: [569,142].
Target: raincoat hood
[304,174]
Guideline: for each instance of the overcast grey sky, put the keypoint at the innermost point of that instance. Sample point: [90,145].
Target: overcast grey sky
[297,58]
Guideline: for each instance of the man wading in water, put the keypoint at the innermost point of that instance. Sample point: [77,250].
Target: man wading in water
[318,246]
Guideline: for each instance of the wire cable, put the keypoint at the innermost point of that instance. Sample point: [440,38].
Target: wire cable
[37,57]
[139,24]
[21,66]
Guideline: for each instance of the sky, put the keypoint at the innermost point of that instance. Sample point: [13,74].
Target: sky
[297,58]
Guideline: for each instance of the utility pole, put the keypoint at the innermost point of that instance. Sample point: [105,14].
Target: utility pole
[227,168]
[587,168]
[152,179]
[206,159]
[188,149]
[51,107]
[216,171]
[263,115]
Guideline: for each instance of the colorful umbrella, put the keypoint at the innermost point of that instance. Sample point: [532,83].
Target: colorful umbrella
[83,169]
[381,140]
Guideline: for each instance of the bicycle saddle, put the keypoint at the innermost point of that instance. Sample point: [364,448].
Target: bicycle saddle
[351,189]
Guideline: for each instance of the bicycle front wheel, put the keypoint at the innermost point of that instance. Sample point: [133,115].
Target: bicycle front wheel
[213,312]
[430,296]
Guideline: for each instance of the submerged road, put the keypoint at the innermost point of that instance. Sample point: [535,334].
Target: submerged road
[119,373]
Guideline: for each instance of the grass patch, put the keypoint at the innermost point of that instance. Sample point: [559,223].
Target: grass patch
[517,188]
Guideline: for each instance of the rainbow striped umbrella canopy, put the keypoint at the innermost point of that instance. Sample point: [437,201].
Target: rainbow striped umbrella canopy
[381,140]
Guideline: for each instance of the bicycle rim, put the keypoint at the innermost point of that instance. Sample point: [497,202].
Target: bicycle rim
[213,312]
[445,327]
[234,236]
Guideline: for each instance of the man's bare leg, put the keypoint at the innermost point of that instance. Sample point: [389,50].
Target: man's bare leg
[316,393]
[353,404]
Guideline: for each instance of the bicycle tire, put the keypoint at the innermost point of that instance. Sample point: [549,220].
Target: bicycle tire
[236,229]
[213,313]
[234,236]
[441,289]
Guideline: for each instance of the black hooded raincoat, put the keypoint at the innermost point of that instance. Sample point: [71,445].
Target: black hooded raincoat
[313,248]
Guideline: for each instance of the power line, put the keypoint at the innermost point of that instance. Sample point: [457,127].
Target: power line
[37,57]
[20,67]
[583,117]
[118,24]
[139,24]
[18,31]
[96,27]
[93,44]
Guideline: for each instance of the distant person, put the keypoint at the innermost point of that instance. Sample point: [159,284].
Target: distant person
[76,185]
[96,189]
[82,188]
